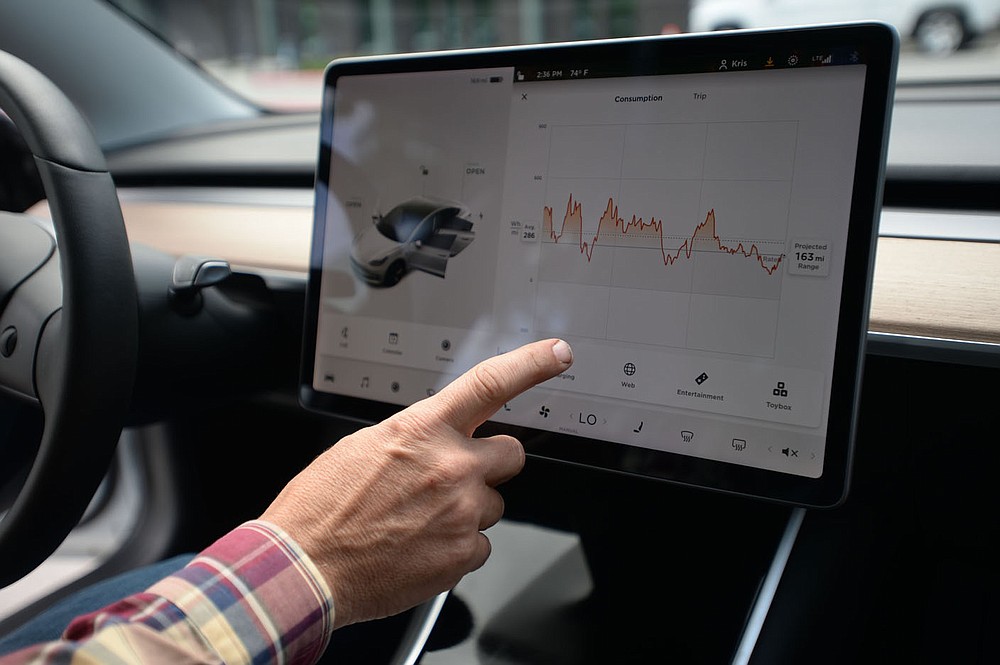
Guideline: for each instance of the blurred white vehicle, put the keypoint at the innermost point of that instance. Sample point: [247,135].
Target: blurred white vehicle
[420,234]
[937,26]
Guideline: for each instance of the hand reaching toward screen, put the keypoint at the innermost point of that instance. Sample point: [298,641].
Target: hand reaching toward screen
[393,514]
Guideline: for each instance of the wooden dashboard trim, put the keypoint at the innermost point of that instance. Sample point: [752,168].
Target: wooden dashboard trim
[944,289]
[275,237]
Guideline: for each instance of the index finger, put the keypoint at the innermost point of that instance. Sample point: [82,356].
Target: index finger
[472,398]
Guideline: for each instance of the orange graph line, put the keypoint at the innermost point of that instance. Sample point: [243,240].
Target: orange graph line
[704,234]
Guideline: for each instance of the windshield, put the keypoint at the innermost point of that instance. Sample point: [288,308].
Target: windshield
[274,51]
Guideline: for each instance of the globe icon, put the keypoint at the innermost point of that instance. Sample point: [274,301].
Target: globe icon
[629,369]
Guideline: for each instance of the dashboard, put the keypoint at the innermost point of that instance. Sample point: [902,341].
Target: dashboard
[921,289]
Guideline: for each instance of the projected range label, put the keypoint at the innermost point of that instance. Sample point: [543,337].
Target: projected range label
[810,257]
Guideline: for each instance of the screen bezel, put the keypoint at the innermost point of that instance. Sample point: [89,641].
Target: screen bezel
[878,44]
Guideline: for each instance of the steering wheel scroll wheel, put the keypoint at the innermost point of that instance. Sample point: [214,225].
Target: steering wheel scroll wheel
[68,319]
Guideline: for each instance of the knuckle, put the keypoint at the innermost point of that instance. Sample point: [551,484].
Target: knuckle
[471,550]
[405,432]
[441,475]
[494,513]
[501,506]
[405,425]
[466,512]
[488,382]
[458,465]
[396,443]
[483,549]
[446,471]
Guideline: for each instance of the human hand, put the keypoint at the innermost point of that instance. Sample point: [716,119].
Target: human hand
[393,514]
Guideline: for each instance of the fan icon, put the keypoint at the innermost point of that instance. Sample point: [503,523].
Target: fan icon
[544,412]
[629,369]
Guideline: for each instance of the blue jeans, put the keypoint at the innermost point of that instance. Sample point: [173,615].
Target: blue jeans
[50,624]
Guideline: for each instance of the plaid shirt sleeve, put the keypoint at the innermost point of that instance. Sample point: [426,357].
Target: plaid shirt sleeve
[252,597]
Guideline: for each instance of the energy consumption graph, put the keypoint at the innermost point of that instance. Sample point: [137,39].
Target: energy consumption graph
[671,234]
[705,237]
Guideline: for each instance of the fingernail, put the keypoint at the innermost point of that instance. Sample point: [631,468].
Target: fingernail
[563,352]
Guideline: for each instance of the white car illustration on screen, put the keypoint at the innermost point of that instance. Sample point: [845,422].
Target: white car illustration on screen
[418,234]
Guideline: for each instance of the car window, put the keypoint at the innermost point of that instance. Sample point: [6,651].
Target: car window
[399,223]
[274,52]
[426,228]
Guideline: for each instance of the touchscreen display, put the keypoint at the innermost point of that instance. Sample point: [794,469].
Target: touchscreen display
[685,232]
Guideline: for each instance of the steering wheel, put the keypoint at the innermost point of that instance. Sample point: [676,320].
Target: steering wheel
[68,319]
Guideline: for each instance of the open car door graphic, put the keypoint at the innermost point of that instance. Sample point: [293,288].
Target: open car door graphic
[449,234]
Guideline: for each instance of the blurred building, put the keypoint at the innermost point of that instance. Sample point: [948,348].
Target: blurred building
[308,33]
